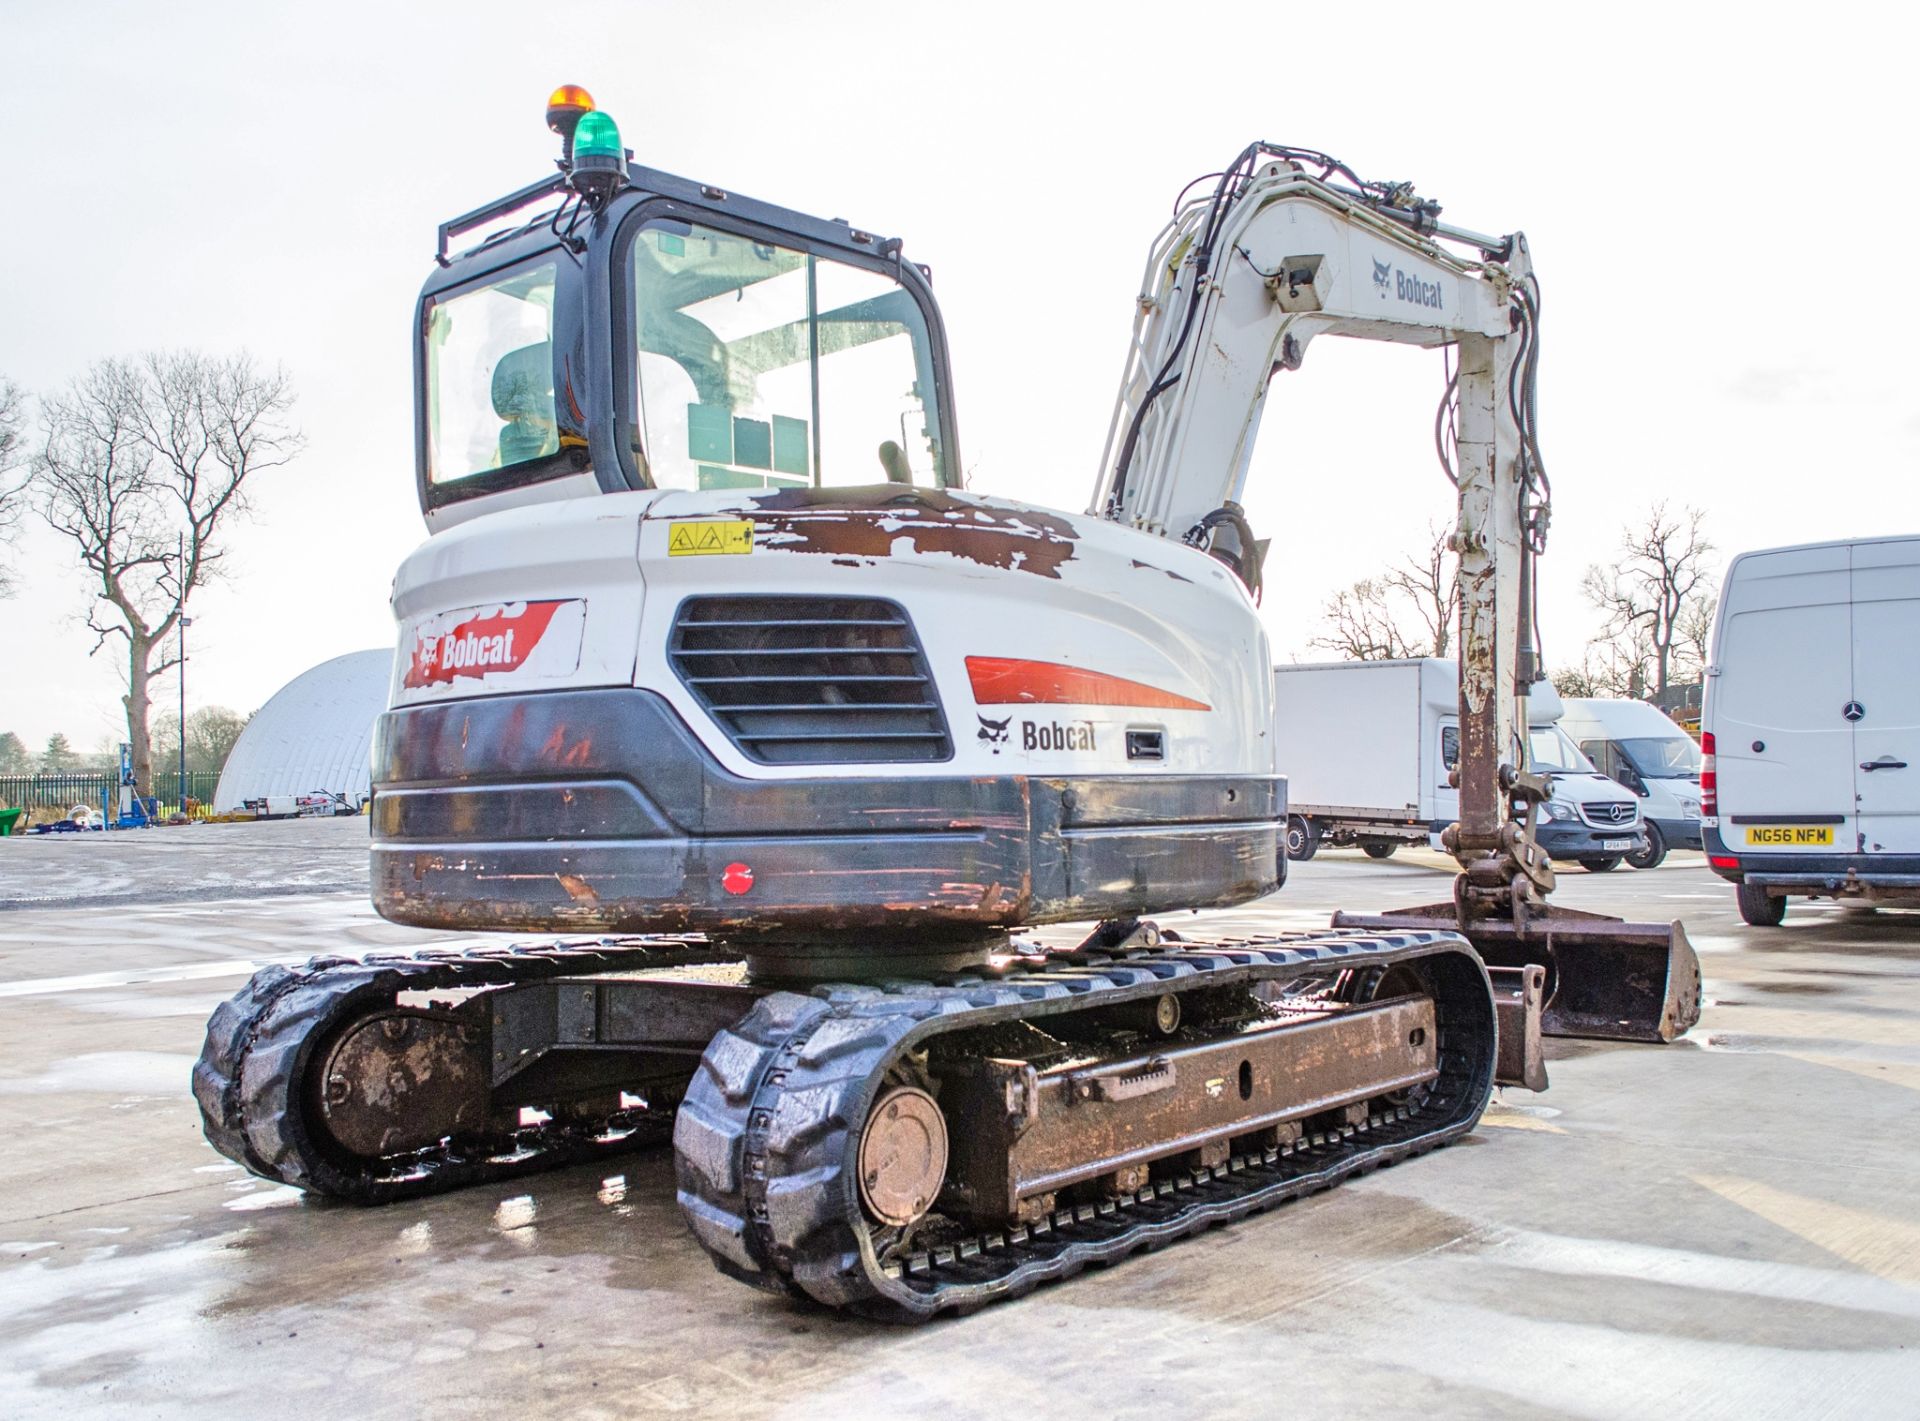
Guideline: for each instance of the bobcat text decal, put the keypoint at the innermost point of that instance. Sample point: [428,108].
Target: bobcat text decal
[1074,735]
[500,640]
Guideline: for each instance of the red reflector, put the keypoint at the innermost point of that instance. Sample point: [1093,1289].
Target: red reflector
[736,878]
[1005,681]
[1723,860]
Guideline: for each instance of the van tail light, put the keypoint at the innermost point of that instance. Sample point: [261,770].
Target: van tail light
[1709,778]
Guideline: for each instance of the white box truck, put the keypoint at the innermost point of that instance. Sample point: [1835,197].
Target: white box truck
[1810,735]
[1635,744]
[1368,747]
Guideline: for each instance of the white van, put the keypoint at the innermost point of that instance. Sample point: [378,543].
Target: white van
[1811,731]
[1369,747]
[1635,743]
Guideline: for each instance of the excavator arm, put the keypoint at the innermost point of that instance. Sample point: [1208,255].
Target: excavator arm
[1289,246]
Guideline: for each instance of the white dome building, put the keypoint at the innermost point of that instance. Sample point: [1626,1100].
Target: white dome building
[316,733]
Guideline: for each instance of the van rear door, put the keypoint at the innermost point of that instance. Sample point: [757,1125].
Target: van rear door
[1886,693]
[1784,680]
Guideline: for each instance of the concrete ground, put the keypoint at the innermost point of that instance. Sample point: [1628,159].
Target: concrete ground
[1724,1227]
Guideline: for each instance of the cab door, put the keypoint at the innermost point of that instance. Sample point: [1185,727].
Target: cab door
[1783,681]
[1886,695]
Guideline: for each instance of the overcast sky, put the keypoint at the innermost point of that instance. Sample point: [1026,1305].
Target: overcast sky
[1718,199]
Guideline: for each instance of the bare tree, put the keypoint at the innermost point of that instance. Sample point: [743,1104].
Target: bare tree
[1406,611]
[1692,649]
[1609,668]
[13,414]
[143,464]
[211,733]
[1654,592]
[1575,681]
[1361,625]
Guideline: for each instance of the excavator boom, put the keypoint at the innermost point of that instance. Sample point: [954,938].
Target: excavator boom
[1236,288]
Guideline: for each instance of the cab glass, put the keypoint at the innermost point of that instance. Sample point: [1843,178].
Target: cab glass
[756,365]
[490,377]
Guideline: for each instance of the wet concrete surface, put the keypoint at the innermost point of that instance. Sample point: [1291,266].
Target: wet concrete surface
[1725,1227]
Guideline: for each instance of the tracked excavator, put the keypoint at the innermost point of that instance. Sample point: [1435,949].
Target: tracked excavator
[812,758]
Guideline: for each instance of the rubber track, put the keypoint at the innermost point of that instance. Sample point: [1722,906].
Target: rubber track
[765,1138]
[261,1040]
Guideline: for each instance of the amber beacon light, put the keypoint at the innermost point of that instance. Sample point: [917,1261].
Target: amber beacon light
[566,106]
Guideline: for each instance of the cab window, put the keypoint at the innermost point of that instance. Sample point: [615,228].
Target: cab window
[756,365]
[1551,752]
[490,377]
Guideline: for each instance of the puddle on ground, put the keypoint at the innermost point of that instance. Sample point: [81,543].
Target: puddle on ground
[1755,1043]
[276,1198]
[147,1073]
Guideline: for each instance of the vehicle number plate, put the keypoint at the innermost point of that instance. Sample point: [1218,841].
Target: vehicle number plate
[1616,845]
[1790,836]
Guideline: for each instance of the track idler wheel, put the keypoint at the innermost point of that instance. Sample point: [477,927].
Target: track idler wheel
[903,1156]
[404,1080]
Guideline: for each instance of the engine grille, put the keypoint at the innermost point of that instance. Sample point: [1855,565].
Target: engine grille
[811,680]
[1614,814]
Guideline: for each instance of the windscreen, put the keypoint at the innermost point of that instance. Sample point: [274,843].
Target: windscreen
[1553,753]
[1667,757]
[490,377]
[761,366]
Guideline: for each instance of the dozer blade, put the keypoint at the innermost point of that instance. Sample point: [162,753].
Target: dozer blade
[1606,977]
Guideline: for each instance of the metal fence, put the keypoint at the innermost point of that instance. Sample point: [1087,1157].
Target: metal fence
[99,789]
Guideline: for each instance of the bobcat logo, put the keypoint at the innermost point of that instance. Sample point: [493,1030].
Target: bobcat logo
[1382,274]
[993,732]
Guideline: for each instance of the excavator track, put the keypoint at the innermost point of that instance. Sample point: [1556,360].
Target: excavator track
[771,1136]
[768,1140]
[253,1083]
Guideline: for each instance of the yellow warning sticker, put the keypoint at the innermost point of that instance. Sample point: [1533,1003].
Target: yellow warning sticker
[694,540]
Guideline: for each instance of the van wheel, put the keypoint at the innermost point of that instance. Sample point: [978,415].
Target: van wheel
[1605,865]
[1303,838]
[1759,908]
[1653,853]
[1378,850]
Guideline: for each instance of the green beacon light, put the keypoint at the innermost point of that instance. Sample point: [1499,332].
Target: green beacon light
[597,136]
[599,159]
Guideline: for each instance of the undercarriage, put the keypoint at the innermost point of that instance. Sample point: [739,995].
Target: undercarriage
[903,1147]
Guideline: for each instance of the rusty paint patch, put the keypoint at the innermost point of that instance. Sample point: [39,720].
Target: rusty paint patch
[851,523]
[557,749]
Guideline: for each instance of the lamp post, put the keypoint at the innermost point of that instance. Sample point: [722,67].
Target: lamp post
[181,786]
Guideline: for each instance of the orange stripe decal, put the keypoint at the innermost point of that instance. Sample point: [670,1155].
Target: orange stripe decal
[1005,681]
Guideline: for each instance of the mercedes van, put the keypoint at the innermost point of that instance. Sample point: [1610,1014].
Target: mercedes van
[1636,745]
[1810,738]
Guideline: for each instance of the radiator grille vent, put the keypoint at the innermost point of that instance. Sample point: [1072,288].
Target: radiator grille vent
[1610,814]
[811,680]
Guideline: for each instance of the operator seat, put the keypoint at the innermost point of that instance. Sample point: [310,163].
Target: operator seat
[523,397]
[893,459]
